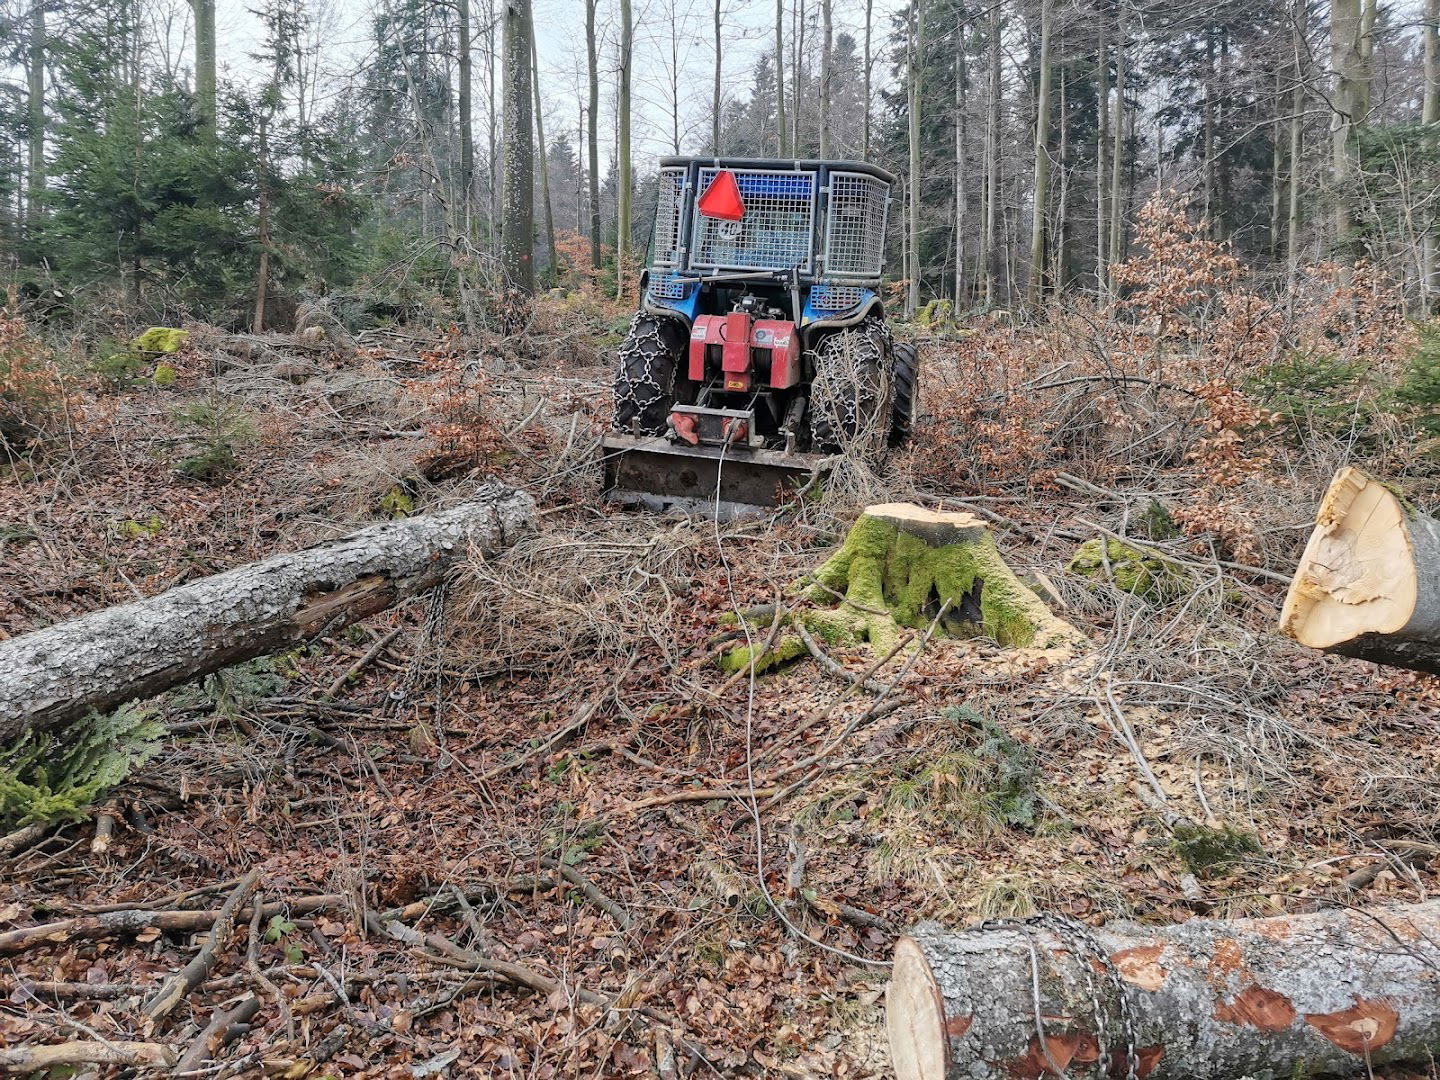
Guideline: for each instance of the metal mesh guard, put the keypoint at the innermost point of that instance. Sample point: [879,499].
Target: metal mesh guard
[835,297]
[667,288]
[669,215]
[855,236]
[776,231]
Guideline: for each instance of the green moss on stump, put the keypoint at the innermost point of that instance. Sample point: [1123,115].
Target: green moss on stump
[1140,573]
[161,339]
[899,564]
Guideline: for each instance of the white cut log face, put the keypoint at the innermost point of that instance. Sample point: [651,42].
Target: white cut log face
[915,1016]
[1358,573]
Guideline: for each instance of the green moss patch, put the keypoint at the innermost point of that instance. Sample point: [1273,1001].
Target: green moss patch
[161,339]
[1140,573]
[1204,850]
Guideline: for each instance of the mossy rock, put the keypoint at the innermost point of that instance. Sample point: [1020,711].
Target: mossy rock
[1140,573]
[161,339]
[165,375]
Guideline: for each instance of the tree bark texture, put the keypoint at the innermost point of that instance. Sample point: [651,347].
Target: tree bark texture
[465,106]
[552,259]
[1316,994]
[36,114]
[1368,583]
[782,143]
[1041,209]
[592,131]
[205,79]
[1430,116]
[517,230]
[827,62]
[99,661]
[914,79]
[626,170]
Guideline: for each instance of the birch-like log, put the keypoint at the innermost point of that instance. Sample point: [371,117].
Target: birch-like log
[51,677]
[1368,584]
[1318,994]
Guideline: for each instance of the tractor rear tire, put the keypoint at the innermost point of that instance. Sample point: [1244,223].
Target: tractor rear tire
[645,374]
[850,396]
[907,387]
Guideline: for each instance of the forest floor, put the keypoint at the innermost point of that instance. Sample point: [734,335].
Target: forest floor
[542,764]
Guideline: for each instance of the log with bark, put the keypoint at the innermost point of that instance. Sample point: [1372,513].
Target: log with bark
[1318,994]
[51,677]
[1368,584]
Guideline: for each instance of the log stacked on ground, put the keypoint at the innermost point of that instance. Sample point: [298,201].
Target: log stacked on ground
[99,661]
[1321,994]
[1368,584]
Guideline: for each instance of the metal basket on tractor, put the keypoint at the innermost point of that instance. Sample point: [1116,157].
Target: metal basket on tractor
[760,350]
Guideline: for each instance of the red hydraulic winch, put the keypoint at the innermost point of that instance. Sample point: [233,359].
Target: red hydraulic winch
[747,349]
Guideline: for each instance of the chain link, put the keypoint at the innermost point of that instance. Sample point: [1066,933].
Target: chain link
[644,377]
[1090,955]
[852,383]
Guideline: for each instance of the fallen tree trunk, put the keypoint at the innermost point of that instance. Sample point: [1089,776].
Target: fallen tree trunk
[51,677]
[1368,584]
[1314,994]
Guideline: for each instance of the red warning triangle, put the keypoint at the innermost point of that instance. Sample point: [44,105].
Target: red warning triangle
[722,198]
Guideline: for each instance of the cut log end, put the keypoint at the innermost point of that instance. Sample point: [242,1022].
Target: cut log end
[915,1016]
[1358,573]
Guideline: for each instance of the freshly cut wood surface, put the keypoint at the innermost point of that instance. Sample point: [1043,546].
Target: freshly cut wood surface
[1368,583]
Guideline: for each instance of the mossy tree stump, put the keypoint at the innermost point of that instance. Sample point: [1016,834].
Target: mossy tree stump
[905,566]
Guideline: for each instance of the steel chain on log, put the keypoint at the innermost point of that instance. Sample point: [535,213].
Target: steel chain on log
[1090,956]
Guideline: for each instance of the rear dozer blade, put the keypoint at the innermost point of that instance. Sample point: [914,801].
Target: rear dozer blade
[660,475]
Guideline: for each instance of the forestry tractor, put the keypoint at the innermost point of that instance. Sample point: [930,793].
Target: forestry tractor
[760,349]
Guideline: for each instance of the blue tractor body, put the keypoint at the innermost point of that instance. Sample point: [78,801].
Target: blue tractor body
[760,346]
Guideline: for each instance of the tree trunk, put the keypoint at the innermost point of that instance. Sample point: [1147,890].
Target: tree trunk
[961,197]
[35,180]
[622,215]
[1430,116]
[1297,120]
[1323,994]
[1368,584]
[262,272]
[780,132]
[915,90]
[467,126]
[205,81]
[1345,61]
[1102,133]
[517,230]
[1035,282]
[1115,248]
[100,661]
[592,131]
[827,49]
[553,264]
[715,96]
[867,77]
[992,160]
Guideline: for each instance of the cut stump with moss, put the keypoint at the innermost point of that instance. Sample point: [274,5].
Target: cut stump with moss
[1368,584]
[903,565]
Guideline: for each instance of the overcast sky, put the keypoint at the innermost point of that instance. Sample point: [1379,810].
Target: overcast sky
[560,38]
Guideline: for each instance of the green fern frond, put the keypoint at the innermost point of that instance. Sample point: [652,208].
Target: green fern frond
[58,776]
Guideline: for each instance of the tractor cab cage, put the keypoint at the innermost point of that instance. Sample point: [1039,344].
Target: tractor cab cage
[805,222]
